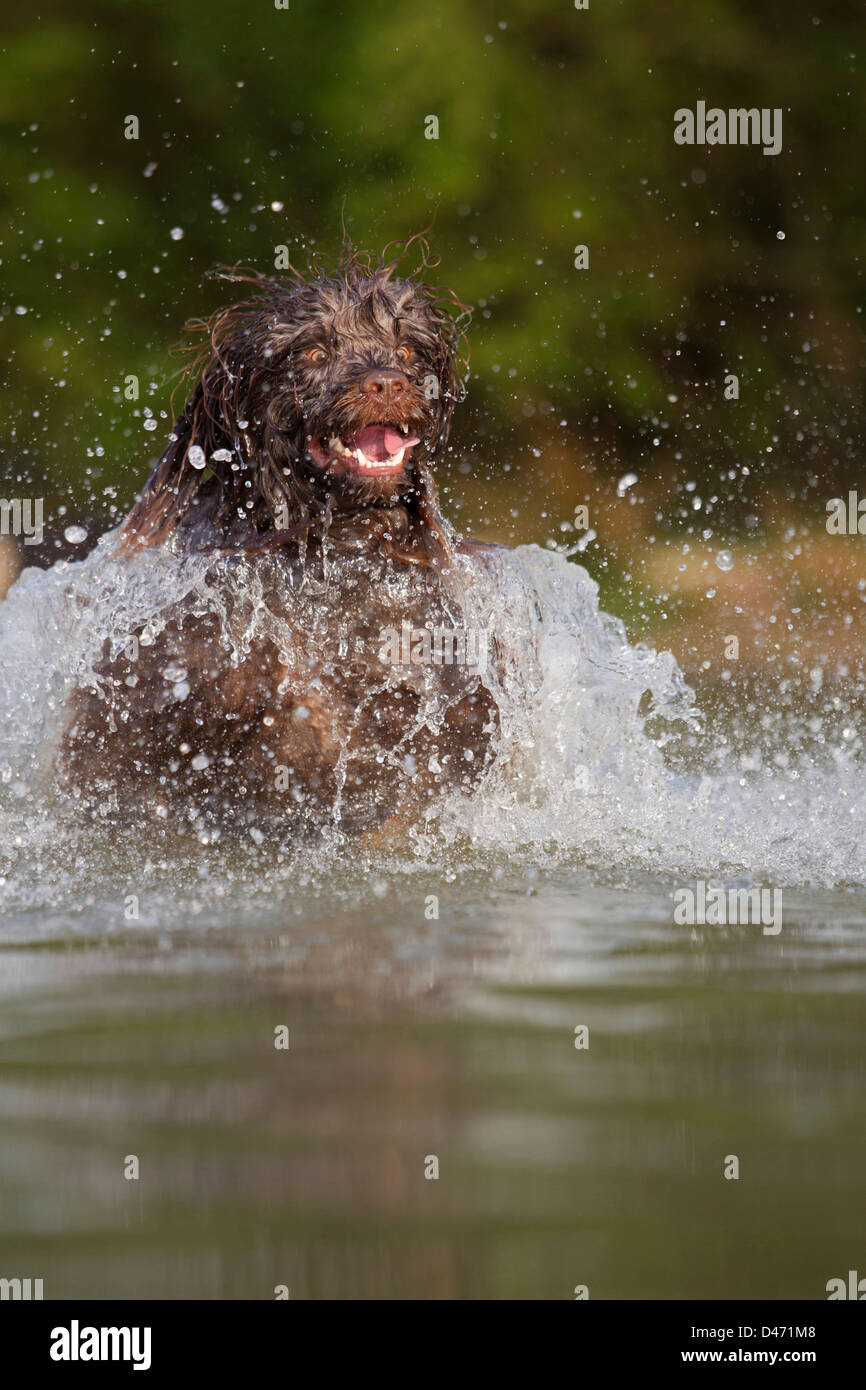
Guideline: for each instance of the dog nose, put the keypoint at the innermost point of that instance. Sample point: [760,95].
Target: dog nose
[386,382]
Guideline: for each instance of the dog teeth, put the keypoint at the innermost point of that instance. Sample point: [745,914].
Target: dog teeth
[338,450]
[380,465]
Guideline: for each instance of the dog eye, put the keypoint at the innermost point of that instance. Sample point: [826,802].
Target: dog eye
[404,353]
[317,354]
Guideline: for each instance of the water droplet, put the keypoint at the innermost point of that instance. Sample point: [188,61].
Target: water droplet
[196,457]
[75,535]
[725,560]
[626,481]
[780,236]
[176,233]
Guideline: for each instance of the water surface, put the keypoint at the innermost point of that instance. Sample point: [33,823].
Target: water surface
[431,995]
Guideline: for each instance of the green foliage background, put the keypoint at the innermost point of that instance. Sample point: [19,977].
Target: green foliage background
[555,128]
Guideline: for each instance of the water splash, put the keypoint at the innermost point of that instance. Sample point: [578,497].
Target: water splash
[581,775]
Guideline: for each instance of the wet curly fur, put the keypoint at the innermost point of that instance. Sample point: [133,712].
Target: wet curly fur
[262,470]
[259,397]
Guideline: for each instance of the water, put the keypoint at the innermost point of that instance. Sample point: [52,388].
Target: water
[432,993]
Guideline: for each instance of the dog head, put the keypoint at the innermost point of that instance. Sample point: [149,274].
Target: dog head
[319,406]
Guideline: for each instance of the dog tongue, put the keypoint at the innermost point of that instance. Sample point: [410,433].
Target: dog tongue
[379,442]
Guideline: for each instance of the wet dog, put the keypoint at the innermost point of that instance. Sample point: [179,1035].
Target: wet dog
[301,471]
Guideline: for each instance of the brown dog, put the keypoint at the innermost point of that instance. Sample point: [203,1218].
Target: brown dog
[303,692]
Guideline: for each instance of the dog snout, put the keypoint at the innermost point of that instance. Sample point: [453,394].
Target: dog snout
[386,383]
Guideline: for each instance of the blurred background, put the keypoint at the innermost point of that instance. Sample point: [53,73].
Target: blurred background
[259,127]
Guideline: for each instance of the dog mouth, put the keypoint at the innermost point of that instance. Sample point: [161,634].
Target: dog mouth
[376,451]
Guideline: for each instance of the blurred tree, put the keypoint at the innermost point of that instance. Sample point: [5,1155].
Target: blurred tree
[259,126]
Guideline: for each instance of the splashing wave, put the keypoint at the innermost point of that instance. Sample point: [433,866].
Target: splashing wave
[580,774]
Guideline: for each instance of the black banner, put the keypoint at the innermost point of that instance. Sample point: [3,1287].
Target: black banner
[66,1339]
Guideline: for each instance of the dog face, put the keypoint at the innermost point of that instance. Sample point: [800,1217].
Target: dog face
[318,406]
[361,388]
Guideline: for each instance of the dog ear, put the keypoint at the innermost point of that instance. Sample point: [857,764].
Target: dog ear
[201,480]
[187,474]
[452,367]
[194,481]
